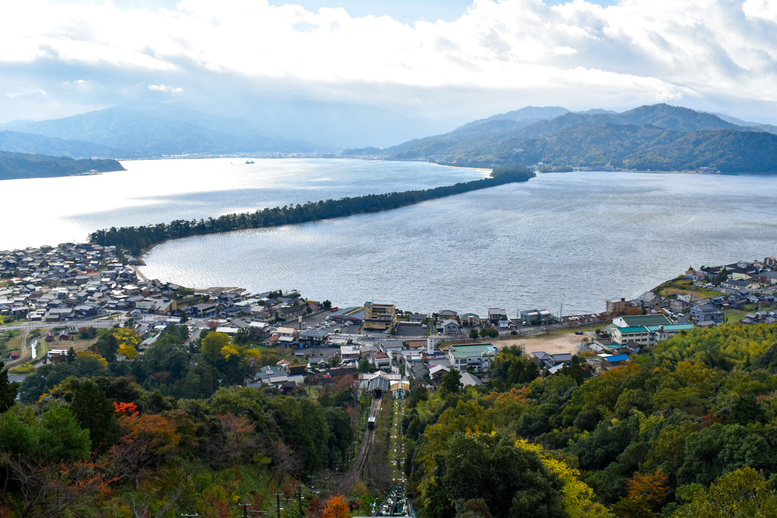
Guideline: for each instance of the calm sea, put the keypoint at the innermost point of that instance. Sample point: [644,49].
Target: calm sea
[571,240]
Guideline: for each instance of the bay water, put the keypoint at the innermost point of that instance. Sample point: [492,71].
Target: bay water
[566,239]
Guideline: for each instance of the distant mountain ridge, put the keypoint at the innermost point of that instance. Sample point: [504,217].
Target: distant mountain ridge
[19,142]
[169,129]
[657,137]
[162,130]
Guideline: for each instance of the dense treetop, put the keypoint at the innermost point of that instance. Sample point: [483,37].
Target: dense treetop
[687,429]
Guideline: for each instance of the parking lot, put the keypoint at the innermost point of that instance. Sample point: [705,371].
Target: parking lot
[319,321]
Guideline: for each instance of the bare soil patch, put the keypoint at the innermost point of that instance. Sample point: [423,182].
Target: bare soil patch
[563,343]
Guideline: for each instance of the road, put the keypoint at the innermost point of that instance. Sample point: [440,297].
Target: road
[28,351]
[105,324]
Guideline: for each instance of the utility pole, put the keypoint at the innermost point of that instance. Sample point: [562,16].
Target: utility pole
[278,501]
[299,499]
[245,509]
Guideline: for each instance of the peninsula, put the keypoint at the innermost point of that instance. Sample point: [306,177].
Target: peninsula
[26,165]
[137,239]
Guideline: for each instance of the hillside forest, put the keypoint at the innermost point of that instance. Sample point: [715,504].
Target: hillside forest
[686,429]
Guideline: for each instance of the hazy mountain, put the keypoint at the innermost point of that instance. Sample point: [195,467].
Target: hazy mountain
[153,130]
[24,165]
[757,125]
[16,141]
[525,116]
[163,129]
[657,137]
[471,132]
[338,125]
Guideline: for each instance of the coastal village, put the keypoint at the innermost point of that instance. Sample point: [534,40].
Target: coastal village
[62,290]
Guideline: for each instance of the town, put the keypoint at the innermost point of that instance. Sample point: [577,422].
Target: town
[61,291]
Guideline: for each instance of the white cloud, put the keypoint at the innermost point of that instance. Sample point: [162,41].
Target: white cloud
[642,50]
[764,9]
[34,93]
[165,88]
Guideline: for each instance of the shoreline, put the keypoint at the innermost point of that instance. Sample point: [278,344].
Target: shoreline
[137,239]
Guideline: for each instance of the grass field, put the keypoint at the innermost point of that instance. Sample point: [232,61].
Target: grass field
[735,315]
[671,289]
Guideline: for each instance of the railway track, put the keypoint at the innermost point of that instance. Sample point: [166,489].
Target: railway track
[357,470]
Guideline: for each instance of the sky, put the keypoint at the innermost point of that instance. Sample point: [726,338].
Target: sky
[432,58]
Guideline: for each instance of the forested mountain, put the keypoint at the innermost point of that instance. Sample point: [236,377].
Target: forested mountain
[154,131]
[473,131]
[155,435]
[24,165]
[658,137]
[686,429]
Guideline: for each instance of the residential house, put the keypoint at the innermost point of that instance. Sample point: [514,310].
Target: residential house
[204,309]
[287,313]
[610,361]
[448,327]
[469,380]
[438,372]
[313,337]
[469,320]
[287,336]
[350,352]
[548,361]
[703,313]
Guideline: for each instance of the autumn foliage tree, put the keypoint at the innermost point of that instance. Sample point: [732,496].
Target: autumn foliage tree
[147,440]
[647,494]
[337,507]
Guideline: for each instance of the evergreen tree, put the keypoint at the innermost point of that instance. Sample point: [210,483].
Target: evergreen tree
[96,413]
[8,390]
[451,382]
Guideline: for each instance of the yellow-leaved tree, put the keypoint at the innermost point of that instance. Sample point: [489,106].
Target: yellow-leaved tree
[578,496]
[128,340]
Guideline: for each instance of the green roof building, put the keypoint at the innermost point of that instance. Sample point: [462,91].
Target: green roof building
[477,356]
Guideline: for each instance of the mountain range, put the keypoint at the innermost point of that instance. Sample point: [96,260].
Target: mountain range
[144,132]
[164,130]
[658,137]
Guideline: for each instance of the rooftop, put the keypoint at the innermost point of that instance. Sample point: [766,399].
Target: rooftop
[467,351]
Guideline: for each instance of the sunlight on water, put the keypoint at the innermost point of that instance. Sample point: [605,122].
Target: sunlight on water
[55,210]
[575,239]
[572,239]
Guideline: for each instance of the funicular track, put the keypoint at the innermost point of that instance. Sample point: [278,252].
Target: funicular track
[357,470]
